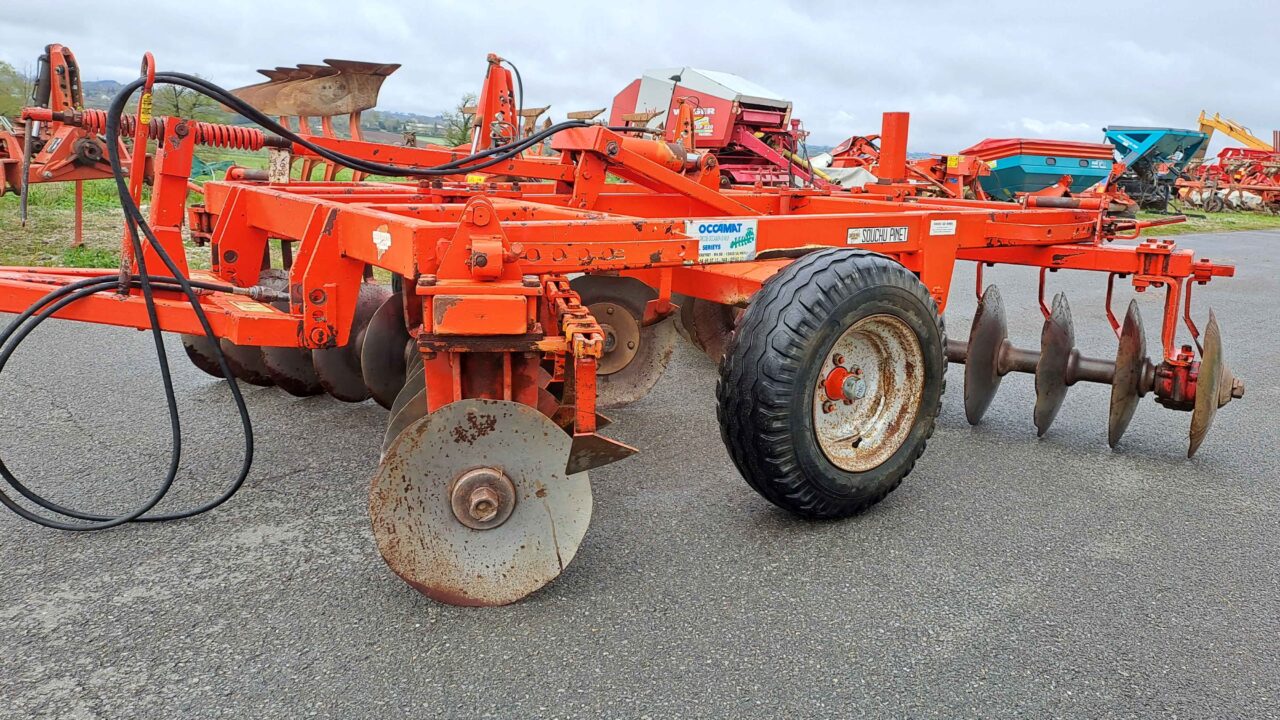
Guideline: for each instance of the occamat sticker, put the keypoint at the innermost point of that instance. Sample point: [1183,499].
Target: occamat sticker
[723,240]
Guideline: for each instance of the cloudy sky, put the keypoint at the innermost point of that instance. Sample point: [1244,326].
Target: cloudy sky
[965,70]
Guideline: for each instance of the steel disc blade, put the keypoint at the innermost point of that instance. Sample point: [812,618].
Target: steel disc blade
[711,326]
[1057,340]
[382,355]
[413,409]
[626,373]
[292,370]
[1131,360]
[410,404]
[419,533]
[289,367]
[246,363]
[199,349]
[1207,385]
[683,317]
[339,368]
[638,377]
[987,337]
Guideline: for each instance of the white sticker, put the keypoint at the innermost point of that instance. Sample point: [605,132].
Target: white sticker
[867,235]
[942,227]
[723,240]
[382,240]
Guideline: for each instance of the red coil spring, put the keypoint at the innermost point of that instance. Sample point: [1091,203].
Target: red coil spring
[212,134]
[229,136]
[96,122]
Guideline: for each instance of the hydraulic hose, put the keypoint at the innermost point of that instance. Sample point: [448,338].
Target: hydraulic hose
[138,229]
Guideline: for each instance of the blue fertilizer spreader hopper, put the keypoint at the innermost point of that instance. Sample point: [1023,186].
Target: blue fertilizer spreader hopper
[1024,165]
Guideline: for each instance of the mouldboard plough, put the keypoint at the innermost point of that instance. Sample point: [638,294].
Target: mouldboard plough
[522,303]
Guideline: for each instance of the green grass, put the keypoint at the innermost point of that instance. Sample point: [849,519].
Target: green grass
[1213,222]
[90,257]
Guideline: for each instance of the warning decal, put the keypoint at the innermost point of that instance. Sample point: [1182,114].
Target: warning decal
[942,227]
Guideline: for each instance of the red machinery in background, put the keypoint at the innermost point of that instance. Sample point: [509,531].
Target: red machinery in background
[493,361]
[747,127]
[53,151]
[885,157]
[1237,174]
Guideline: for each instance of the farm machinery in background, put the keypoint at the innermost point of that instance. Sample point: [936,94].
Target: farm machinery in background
[34,151]
[524,302]
[1243,178]
[68,145]
[748,128]
[752,134]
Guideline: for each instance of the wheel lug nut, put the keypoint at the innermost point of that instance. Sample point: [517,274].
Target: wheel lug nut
[828,406]
[837,359]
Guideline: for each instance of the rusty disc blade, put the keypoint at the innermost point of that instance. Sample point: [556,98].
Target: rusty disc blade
[199,349]
[1212,370]
[635,354]
[1131,360]
[410,404]
[339,368]
[246,363]
[418,530]
[987,337]
[1057,341]
[383,353]
[683,317]
[711,326]
[291,369]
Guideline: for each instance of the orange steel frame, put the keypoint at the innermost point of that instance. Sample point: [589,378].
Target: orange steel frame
[485,265]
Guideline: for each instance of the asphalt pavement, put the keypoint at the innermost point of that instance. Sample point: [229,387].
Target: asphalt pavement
[1008,576]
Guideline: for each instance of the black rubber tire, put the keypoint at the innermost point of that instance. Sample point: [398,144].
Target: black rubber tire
[767,379]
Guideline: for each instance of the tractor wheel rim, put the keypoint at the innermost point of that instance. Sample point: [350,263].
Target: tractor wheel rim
[867,395]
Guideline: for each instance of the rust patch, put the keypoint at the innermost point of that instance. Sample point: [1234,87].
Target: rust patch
[478,425]
[329,222]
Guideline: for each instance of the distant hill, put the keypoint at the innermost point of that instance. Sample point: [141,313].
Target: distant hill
[99,93]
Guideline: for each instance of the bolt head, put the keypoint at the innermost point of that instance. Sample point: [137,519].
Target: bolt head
[484,504]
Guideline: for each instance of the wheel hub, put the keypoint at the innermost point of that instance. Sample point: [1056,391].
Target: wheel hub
[868,393]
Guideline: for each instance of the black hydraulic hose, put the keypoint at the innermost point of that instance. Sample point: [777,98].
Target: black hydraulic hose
[477,161]
[136,223]
[519,96]
[51,303]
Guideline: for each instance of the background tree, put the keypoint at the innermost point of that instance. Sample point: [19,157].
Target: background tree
[183,102]
[457,123]
[13,90]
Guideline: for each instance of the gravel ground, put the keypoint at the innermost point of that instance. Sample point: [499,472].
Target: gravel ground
[1008,576]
